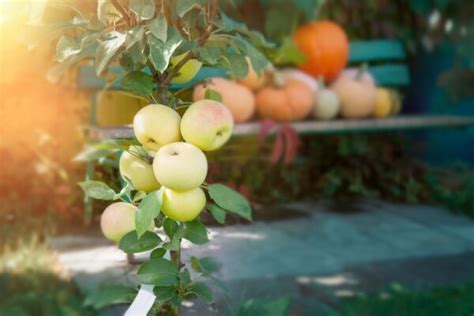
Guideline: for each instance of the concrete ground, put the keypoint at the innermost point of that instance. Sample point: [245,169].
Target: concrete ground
[314,259]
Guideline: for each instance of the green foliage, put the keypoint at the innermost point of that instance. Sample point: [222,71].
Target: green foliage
[230,200]
[142,36]
[159,272]
[254,307]
[110,294]
[453,301]
[213,95]
[217,212]
[195,232]
[203,292]
[342,168]
[130,243]
[205,266]
[148,209]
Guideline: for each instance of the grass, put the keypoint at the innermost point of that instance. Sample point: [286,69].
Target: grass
[31,281]
[446,301]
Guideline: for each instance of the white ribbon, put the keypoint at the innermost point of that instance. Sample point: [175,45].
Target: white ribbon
[143,302]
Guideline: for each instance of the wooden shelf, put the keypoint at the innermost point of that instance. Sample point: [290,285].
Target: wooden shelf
[323,127]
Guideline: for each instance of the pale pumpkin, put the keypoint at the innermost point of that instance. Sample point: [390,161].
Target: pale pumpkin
[255,81]
[236,97]
[357,94]
[290,100]
[302,76]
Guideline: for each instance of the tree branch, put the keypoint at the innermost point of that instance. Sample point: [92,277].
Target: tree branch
[213,6]
[122,11]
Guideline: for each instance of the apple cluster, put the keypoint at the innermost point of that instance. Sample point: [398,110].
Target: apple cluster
[171,157]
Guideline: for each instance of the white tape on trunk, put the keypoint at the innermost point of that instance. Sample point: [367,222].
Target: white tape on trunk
[143,302]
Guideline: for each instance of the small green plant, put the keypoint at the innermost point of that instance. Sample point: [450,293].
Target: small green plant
[154,44]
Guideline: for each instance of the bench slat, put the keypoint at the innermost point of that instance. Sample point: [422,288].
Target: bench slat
[377,50]
[325,127]
[390,75]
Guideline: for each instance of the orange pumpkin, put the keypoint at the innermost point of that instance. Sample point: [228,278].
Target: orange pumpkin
[326,48]
[236,97]
[291,100]
[357,94]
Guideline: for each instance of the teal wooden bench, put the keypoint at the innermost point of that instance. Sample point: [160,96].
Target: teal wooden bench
[386,59]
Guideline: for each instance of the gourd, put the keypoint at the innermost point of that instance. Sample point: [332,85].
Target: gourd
[326,48]
[357,94]
[326,105]
[236,97]
[388,102]
[286,100]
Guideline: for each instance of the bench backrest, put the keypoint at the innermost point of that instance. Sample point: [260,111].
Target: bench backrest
[386,60]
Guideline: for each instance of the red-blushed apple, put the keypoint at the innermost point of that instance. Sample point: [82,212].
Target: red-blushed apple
[180,166]
[118,219]
[208,124]
[188,71]
[139,171]
[156,125]
[183,206]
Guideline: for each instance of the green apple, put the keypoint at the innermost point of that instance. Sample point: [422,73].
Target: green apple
[183,206]
[118,219]
[188,71]
[208,124]
[156,125]
[180,166]
[139,171]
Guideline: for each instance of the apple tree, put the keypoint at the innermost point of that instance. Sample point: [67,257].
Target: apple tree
[155,44]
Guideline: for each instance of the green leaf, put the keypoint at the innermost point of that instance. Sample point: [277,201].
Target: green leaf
[134,35]
[110,295]
[107,13]
[159,27]
[148,209]
[107,50]
[97,190]
[206,265]
[145,9]
[158,253]
[196,232]
[170,227]
[139,82]
[92,153]
[130,243]
[160,53]
[125,190]
[174,243]
[185,277]
[184,6]
[278,307]
[230,200]
[217,212]
[66,47]
[159,271]
[164,293]
[203,292]
[212,95]
[237,64]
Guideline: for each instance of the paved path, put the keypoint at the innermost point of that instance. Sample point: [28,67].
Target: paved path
[324,255]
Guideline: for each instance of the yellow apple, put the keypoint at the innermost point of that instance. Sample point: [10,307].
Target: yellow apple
[139,171]
[183,206]
[188,71]
[118,219]
[156,125]
[180,166]
[207,124]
